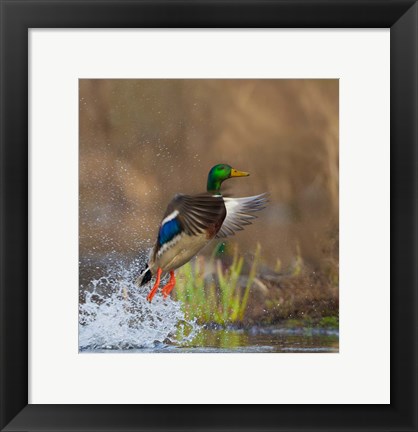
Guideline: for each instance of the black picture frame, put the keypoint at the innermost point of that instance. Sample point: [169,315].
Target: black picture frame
[17,16]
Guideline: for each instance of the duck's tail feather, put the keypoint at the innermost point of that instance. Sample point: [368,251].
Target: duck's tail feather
[144,277]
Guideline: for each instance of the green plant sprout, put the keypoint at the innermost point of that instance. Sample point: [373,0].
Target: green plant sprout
[219,300]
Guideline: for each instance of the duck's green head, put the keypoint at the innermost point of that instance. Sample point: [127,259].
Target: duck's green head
[221,172]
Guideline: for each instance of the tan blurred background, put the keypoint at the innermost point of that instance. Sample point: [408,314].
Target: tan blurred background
[142,141]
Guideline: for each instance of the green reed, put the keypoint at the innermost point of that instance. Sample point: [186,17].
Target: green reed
[214,293]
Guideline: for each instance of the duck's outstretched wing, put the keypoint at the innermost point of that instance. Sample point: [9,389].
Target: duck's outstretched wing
[192,214]
[239,213]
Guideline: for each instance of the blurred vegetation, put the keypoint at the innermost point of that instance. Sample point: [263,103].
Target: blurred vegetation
[142,141]
[233,289]
[222,302]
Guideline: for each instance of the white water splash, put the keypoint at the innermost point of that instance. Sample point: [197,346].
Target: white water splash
[116,314]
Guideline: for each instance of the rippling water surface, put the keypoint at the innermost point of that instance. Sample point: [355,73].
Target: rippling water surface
[245,341]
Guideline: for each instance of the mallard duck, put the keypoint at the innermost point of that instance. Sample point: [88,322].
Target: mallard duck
[192,221]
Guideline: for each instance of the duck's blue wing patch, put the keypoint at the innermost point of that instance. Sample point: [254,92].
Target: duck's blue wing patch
[168,231]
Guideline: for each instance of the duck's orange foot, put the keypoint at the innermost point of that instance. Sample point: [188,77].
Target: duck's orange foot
[170,285]
[151,294]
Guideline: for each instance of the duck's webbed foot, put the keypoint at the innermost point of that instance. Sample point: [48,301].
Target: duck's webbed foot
[170,285]
[156,285]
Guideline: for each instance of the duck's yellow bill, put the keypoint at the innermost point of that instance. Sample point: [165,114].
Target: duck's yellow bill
[236,173]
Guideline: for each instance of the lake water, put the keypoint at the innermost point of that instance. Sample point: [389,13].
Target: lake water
[253,340]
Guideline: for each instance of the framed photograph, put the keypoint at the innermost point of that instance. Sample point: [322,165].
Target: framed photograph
[208,204]
[223,271]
